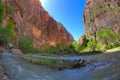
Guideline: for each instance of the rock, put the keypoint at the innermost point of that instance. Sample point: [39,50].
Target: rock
[3,75]
[10,45]
[79,63]
[100,14]
[83,40]
[30,19]
[16,51]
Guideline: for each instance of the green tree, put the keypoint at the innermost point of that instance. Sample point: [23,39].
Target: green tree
[107,36]
[1,11]
[91,44]
[25,44]
[7,33]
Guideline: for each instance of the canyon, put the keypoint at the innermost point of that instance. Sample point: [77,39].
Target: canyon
[30,19]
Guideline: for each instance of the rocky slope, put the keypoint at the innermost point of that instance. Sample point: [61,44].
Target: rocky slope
[100,14]
[30,19]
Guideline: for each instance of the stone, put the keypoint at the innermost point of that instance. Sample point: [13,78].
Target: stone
[3,75]
[83,40]
[10,45]
[30,19]
[16,51]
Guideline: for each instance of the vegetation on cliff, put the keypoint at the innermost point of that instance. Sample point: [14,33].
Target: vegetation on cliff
[25,44]
[106,39]
[59,49]
[7,33]
[1,11]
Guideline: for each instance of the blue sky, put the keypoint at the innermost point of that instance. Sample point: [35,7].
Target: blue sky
[69,13]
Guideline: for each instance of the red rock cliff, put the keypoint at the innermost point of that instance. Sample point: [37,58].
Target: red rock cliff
[101,14]
[32,20]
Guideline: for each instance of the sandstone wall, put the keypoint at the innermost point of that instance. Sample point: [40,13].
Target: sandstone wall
[30,19]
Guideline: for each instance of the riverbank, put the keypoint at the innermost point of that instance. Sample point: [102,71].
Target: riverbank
[3,75]
[104,66]
[112,50]
[65,64]
[55,63]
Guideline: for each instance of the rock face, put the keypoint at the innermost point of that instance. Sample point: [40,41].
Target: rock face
[101,14]
[30,19]
[83,40]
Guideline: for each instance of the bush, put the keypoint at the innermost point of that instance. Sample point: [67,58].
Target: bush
[108,37]
[60,48]
[80,48]
[70,50]
[1,11]
[99,47]
[7,33]
[91,44]
[25,44]
[51,50]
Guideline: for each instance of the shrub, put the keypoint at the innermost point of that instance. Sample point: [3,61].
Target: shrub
[7,33]
[25,44]
[70,50]
[91,44]
[80,48]
[60,48]
[99,47]
[107,37]
[51,50]
[1,11]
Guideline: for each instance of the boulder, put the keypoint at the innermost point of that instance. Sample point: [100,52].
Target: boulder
[10,45]
[16,51]
[83,40]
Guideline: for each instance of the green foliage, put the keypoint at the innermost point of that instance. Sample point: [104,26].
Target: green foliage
[7,33]
[1,11]
[51,50]
[25,44]
[109,9]
[107,33]
[80,48]
[91,44]
[108,37]
[77,47]
[70,50]
[60,48]
[99,47]
[74,43]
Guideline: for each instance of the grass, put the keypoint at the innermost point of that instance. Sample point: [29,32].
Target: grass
[113,50]
[53,63]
